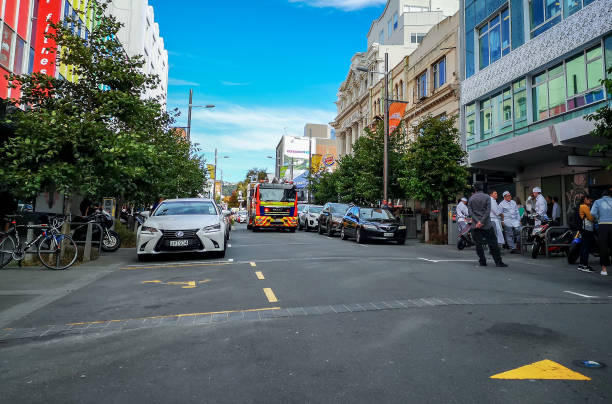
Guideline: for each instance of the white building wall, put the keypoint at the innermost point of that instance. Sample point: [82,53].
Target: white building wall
[140,36]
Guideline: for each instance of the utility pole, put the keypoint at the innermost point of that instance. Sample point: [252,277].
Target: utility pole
[215,179]
[309,160]
[386,134]
[189,115]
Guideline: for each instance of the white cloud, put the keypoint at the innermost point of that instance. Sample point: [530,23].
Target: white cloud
[180,82]
[238,128]
[233,83]
[346,5]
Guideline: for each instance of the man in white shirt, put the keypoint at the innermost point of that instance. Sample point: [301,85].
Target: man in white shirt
[511,223]
[556,211]
[540,205]
[495,218]
[462,214]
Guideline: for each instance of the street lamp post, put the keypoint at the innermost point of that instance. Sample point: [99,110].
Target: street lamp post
[215,180]
[386,124]
[191,106]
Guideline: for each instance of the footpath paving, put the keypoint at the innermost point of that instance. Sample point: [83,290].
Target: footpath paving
[24,290]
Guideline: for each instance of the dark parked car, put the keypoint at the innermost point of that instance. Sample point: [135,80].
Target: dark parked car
[330,219]
[373,224]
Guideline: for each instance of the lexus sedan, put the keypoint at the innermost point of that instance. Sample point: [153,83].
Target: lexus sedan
[330,218]
[309,217]
[372,224]
[182,225]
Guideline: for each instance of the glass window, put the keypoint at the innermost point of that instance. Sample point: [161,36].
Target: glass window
[575,74]
[483,51]
[540,102]
[19,51]
[543,15]
[185,208]
[381,37]
[394,21]
[470,68]
[470,124]
[595,73]
[416,37]
[556,95]
[389,29]
[494,39]
[505,32]
[520,103]
[495,43]
[517,32]
[439,71]
[608,47]
[485,119]
[422,85]
[570,7]
[7,46]
[31,61]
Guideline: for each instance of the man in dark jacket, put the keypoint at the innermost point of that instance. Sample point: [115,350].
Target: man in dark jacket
[479,207]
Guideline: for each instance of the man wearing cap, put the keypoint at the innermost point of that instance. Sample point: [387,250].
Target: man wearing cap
[512,222]
[479,207]
[540,205]
[462,214]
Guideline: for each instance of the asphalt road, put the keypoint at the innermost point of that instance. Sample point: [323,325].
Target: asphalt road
[306,318]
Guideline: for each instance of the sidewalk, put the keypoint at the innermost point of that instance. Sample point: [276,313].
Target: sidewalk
[25,290]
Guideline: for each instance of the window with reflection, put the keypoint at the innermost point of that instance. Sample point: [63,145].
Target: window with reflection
[494,39]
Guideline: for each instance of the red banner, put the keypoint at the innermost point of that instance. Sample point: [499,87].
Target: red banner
[44,60]
[396,113]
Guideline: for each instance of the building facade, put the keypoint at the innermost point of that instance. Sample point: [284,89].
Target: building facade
[25,49]
[533,70]
[397,32]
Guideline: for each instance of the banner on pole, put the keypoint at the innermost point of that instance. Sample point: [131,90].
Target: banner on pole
[396,113]
[211,171]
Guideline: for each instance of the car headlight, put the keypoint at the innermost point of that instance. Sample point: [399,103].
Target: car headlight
[401,228]
[148,230]
[370,227]
[213,228]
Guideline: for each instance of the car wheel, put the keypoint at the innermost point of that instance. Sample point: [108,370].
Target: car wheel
[141,257]
[343,234]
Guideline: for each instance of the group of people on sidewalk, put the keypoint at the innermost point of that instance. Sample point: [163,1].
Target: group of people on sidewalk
[496,224]
[596,222]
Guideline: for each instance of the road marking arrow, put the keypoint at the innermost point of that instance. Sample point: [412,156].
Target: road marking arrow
[543,370]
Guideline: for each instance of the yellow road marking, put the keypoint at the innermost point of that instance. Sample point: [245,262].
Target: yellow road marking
[259,275]
[173,315]
[151,281]
[253,264]
[184,285]
[545,370]
[179,266]
[204,281]
[270,295]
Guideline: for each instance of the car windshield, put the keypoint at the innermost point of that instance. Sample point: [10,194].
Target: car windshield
[375,214]
[185,208]
[339,208]
[315,209]
[276,195]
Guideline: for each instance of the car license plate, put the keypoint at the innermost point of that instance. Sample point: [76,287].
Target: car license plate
[388,234]
[179,243]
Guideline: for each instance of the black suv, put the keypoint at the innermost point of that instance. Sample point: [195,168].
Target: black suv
[330,219]
[372,223]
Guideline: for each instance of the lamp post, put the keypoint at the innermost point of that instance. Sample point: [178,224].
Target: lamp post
[191,106]
[386,123]
[215,180]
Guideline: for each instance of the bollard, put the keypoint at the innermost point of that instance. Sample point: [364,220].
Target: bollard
[426,231]
[87,249]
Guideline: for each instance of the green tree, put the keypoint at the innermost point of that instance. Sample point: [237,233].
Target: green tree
[324,187]
[98,135]
[434,169]
[602,119]
[232,201]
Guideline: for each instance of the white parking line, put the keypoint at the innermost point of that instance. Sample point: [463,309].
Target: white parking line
[580,294]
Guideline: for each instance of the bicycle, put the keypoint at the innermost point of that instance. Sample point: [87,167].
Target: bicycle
[54,249]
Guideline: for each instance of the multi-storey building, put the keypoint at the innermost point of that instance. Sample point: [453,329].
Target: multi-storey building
[24,48]
[398,32]
[533,70]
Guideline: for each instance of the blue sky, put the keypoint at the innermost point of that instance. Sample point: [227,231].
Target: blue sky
[269,66]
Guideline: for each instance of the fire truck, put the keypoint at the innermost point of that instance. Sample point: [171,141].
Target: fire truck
[272,206]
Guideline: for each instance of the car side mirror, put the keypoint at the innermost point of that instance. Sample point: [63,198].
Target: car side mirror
[145,213]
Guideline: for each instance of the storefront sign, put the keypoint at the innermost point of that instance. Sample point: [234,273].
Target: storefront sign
[45,56]
[329,160]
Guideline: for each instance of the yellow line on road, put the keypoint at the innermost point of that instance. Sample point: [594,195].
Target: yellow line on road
[270,295]
[173,315]
[260,275]
[179,266]
[253,264]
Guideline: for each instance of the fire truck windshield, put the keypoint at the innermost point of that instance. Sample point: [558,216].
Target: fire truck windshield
[276,195]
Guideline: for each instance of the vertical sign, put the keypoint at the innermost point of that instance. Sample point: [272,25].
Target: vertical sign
[44,57]
[396,113]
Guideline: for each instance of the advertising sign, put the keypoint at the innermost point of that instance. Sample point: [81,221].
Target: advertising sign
[44,52]
[396,113]
[211,171]
[329,160]
[217,187]
[295,153]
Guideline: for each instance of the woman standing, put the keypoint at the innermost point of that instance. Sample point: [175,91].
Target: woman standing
[586,233]
[602,212]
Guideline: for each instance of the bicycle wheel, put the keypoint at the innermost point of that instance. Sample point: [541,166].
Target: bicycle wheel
[7,246]
[57,251]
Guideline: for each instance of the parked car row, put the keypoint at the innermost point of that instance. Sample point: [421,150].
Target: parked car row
[360,223]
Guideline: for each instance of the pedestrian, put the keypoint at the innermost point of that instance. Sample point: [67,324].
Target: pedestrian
[586,233]
[539,206]
[496,219]
[549,206]
[602,212]
[158,200]
[512,221]
[462,214]
[556,211]
[479,208]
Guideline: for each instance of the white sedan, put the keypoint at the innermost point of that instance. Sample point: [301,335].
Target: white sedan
[183,225]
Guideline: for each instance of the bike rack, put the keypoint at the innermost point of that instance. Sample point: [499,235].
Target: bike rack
[81,225]
[558,231]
